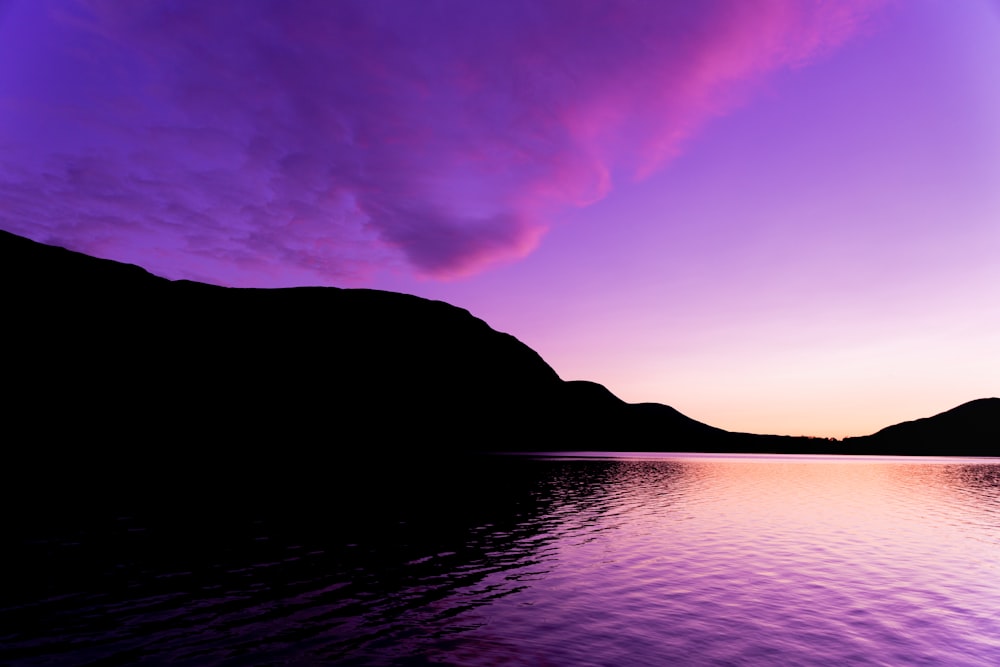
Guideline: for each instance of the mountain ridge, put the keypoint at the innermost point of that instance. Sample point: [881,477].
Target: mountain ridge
[108,349]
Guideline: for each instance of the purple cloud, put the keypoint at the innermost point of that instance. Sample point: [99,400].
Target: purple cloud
[278,142]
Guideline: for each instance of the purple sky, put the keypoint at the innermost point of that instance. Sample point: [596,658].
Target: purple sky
[776,216]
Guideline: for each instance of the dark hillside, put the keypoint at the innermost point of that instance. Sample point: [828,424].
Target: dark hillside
[971,429]
[110,368]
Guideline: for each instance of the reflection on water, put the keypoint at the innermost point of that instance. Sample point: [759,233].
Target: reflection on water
[546,560]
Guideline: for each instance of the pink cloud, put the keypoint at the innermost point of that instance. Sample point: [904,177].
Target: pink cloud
[317,141]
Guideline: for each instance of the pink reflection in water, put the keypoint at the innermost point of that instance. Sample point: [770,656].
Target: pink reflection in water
[757,560]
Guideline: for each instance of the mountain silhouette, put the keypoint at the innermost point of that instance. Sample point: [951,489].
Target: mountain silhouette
[109,366]
[107,348]
[971,429]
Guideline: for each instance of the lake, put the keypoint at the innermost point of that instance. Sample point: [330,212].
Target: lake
[526,560]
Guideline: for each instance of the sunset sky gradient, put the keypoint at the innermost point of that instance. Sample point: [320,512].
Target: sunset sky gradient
[776,216]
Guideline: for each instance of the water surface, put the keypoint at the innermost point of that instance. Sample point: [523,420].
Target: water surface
[544,560]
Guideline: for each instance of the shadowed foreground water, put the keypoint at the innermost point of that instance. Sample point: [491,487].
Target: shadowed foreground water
[536,561]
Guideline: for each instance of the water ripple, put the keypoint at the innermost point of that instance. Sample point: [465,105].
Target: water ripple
[705,561]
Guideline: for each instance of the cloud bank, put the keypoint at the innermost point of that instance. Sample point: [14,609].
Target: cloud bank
[290,142]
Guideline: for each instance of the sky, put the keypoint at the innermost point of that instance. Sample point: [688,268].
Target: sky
[779,216]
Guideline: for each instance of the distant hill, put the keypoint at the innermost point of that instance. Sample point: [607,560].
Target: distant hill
[971,429]
[107,364]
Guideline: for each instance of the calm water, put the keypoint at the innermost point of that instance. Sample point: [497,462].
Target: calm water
[701,560]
